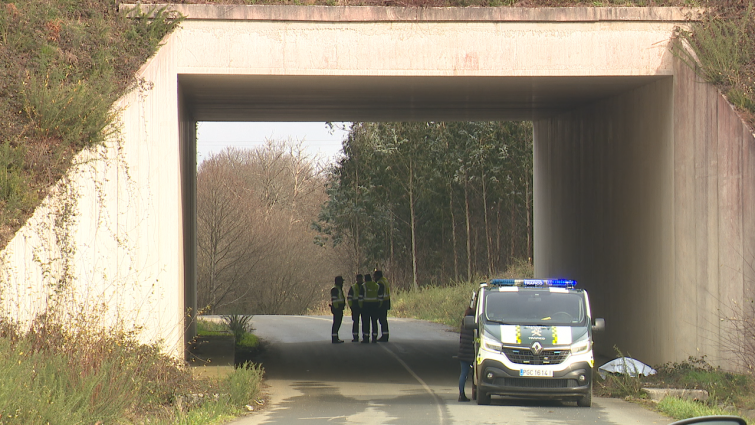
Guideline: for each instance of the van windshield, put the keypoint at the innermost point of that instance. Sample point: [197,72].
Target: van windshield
[539,307]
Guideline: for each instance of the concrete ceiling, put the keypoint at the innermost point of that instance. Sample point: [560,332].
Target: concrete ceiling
[388,98]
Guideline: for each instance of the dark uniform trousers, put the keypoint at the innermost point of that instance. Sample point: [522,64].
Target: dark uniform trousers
[369,317]
[356,312]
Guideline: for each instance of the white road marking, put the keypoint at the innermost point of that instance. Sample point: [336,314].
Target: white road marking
[438,402]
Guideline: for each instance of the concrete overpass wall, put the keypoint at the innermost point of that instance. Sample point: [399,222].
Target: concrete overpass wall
[106,246]
[646,198]
[119,236]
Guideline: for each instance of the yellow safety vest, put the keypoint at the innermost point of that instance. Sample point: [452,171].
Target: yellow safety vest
[371,289]
[337,300]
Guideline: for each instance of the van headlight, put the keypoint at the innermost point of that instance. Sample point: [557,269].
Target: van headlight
[491,344]
[581,347]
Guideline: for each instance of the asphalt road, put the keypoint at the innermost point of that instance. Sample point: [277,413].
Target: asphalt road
[410,380]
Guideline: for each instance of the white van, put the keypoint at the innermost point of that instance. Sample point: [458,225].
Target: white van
[534,340]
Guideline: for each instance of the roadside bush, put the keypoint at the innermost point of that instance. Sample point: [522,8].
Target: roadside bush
[620,385]
[243,385]
[723,52]
[696,373]
[82,373]
[239,325]
[682,409]
[446,304]
[75,372]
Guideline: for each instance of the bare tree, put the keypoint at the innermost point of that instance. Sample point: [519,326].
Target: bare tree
[256,247]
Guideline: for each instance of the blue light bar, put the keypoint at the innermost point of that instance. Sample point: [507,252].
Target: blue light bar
[554,283]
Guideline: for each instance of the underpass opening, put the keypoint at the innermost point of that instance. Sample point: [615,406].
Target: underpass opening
[586,157]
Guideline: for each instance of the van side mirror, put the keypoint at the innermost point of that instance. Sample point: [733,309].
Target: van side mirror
[469,322]
[599,325]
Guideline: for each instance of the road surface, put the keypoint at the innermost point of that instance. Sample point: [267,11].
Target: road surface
[412,380]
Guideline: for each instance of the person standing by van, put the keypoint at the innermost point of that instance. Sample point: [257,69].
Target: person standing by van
[466,354]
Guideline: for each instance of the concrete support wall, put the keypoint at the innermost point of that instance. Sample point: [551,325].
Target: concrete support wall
[644,198]
[108,244]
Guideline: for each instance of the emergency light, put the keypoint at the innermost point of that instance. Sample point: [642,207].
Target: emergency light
[554,283]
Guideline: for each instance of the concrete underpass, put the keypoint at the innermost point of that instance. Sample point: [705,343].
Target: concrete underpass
[644,175]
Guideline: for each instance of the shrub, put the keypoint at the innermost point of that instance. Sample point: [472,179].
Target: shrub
[239,325]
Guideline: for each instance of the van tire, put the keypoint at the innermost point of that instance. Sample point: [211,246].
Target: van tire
[483,398]
[586,400]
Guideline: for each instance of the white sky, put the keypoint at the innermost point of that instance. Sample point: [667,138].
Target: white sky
[212,137]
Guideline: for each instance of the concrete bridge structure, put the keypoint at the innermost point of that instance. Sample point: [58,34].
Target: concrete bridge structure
[644,175]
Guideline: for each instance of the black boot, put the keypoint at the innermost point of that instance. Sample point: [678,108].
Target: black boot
[383,338]
[355,338]
[336,340]
[365,339]
[463,397]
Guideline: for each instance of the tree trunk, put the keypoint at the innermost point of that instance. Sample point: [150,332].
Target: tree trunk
[487,226]
[529,222]
[413,225]
[469,233]
[453,230]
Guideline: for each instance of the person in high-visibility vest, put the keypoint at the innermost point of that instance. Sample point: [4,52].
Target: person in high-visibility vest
[385,305]
[353,300]
[369,302]
[337,304]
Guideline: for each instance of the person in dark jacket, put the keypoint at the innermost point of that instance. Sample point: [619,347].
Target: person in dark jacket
[385,287]
[353,301]
[337,304]
[370,301]
[466,354]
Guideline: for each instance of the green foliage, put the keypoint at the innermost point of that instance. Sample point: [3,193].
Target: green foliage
[75,113]
[432,201]
[722,50]
[682,409]
[239,325]
[85,374]
[437,304]
[14,185]
[697,373]
[249,340]
[207,328]
[446,304]
[243,385]
[62,65]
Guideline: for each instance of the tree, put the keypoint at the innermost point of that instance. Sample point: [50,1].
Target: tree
[399,191]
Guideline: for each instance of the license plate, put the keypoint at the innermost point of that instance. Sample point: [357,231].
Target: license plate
[536,372]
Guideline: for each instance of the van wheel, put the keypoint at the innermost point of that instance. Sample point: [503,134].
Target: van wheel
[586,400]
[483,397]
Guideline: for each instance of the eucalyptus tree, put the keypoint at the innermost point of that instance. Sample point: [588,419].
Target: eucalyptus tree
[401,189]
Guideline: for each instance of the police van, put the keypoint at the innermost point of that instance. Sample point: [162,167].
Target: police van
[534,339]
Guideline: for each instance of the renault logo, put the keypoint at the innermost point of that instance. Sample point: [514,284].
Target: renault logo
[537,348]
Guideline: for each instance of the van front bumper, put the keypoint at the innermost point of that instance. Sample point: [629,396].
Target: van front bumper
[573,382]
